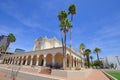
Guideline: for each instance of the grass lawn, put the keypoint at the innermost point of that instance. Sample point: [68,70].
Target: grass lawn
[114,74]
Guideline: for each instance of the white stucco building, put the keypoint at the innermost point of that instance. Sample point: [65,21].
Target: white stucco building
[115,60]
[45,43]
[46,52]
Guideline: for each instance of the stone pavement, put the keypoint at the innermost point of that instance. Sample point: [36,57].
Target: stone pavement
[6,76]
[94,75]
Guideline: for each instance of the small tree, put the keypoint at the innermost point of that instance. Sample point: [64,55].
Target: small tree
[87,52]
[91,57]
[97,50]
[11,38]
[72,11]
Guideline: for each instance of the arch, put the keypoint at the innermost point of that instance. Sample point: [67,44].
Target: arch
[75,61]
[24,60]
[49,60]
[13,60]
[68,60]
[10,60]
[72,60]
[16,60]
[41,60]
[20,60]
[59,59]
[4,61]
[34,60]
[28,60]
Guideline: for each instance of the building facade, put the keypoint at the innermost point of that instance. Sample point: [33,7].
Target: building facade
[107,61]
[45,43]
[45,56]
[4,41]
[18,50]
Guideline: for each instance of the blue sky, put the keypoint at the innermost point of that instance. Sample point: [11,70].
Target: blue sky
[96,23]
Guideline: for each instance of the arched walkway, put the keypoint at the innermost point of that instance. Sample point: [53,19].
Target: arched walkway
[58,59]
[41,60]
[16,60]
[28,60]
[75,62]
[49,60]
[72,60]
[68,60]
[24,60]
[34,60]
[20,60]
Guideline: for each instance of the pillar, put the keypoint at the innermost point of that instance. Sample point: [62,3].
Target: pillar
[44,64]
[37,62]
[53,60]
[26,60]
[31,60]
[22,61]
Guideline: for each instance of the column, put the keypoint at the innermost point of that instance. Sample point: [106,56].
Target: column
[31,60]
[73,63]
[53,60]
[44,64]
[22,60]
[37,62]
[26,60]
[18,60]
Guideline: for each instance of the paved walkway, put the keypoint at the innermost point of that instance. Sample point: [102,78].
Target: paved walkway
[94,75]
[6,76]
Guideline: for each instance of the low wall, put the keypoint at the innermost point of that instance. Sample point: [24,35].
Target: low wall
[71,73]
[30,76]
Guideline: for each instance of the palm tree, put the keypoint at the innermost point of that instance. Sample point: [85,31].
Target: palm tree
[91,57]
[65,24]
[97,50]
[2,48]
[81,47]
[11,38]
[72,11]
[87,53]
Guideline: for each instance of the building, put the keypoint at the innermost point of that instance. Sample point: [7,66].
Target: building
[46,52]
[4,41]
[18,50]
[107,61]
[45,43]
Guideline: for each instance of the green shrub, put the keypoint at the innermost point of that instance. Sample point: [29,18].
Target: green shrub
[77,68]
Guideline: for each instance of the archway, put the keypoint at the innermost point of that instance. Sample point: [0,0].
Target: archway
[28,60]
[13,60]
[24,60]
[49,60]
[68,60]
[41,60]
[72,60]
[75,62]
[20,59]
[59,60]
[10,60]
[16,59]
[34,60]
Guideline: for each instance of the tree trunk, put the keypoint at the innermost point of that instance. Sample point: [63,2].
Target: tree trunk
[97,56]
[71,43]
[88,61]
[64,54]
[63,49]
[70,47]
